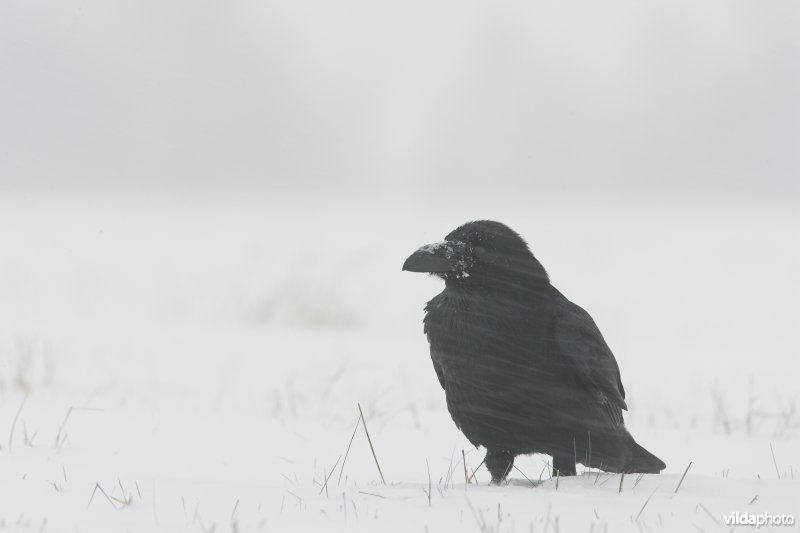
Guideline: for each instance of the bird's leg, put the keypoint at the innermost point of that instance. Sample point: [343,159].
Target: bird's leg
[563,465]
[498,463]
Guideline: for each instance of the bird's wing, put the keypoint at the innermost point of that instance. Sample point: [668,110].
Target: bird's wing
[438,368]
[429,307]
[582,346]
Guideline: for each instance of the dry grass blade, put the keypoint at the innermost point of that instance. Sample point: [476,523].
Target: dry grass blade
[542,472]
[683,476]
[645,505]
[574,451]
[711,516]
[104,493]
[61,427]
[123,501]
[610,475]
[589,461]
[774,461]
[372,494]
[533,484]
[448,479]
[464,462]
[621,479]
[92,496]
[428,492]
[235,506]
[505,474]
[14,423]
[473,472]
[325,485]
[371,447]
[353,436]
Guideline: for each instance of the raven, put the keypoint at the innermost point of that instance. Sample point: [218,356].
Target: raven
[524,370]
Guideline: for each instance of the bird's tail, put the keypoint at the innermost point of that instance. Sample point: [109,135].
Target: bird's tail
[641,461]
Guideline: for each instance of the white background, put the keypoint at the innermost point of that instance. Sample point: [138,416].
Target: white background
[204,210]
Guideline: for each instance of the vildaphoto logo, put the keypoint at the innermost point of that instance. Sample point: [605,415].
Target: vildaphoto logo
[758,520]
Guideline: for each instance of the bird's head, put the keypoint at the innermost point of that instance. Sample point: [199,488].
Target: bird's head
[483,252]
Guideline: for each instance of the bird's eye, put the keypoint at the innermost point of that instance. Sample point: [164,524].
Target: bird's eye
[478,250]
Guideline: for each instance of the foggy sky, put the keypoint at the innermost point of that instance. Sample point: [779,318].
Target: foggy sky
[246,94]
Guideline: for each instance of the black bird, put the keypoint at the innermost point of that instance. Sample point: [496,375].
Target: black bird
[524,369]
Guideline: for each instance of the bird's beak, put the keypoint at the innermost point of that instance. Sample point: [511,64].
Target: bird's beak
[438,257]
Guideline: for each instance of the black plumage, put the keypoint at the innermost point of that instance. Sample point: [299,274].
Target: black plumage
[524,369]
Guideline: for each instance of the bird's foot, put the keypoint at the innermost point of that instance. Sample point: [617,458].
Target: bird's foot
[499,464]
[563,466]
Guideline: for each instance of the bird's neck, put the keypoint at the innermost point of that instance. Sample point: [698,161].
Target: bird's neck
[513,289]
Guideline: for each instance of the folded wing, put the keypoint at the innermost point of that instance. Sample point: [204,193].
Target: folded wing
[581,345]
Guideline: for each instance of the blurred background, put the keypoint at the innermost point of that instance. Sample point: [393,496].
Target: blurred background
[204,208]
[254,97]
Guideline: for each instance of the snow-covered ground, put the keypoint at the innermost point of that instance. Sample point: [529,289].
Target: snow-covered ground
[197,365]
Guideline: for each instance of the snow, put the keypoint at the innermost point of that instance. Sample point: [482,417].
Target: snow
[202,362]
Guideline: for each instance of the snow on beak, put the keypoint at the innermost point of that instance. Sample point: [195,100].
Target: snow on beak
[439,257]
